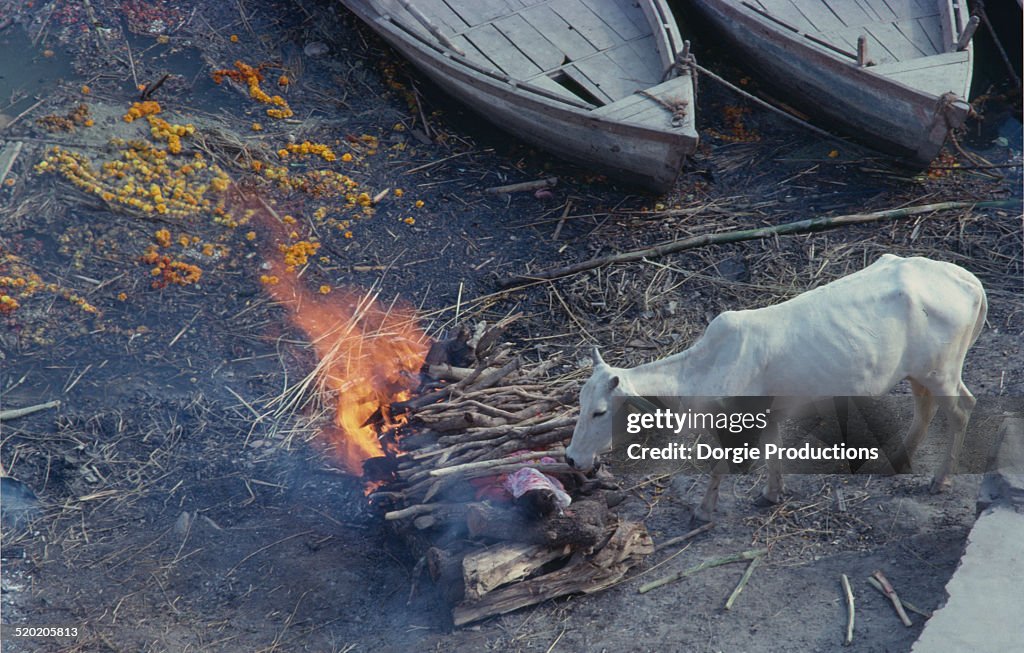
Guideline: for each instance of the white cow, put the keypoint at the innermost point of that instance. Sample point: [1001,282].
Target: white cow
[899,318]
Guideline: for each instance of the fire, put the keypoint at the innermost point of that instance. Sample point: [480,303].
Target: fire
[369,356]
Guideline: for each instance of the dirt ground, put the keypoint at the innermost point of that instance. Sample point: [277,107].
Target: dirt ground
[180,511]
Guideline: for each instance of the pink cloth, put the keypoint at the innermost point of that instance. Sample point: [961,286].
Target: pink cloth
[527,478]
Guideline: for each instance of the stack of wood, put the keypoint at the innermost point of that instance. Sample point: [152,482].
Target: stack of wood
[445,494]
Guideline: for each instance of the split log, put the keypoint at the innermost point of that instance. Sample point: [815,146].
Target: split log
[582,525]
[446,571]
[492,567]
[583,574]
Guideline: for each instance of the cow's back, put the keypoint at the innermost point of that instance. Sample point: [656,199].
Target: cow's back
[859,335]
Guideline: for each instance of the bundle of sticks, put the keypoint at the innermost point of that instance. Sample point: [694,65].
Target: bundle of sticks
[494,537]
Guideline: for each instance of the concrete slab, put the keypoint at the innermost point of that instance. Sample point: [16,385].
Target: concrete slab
[985,610]
[1004,484]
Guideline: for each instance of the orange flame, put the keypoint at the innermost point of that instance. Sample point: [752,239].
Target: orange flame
[368,356]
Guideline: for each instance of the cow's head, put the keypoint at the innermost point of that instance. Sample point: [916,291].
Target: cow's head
[593,432]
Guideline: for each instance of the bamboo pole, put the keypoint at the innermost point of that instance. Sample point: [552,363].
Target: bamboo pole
[800,226]
[14,413]
[747,573]
[707,564]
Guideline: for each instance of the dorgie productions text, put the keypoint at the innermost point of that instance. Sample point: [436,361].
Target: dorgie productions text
[737,455]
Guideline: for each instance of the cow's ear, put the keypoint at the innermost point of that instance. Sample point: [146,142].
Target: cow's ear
[613,383]
[596,356]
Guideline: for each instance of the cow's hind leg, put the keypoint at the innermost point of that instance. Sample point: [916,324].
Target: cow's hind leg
[924,411]
[707,506]
[772,493]
[957,409]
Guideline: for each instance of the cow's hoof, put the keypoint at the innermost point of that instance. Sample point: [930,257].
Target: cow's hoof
[939,486]
[763,501]
[699,518]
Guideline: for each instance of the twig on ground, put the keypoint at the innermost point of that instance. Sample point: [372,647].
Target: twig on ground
[887,589]
[682,538]
[539,184]
[849,609]
[906,604]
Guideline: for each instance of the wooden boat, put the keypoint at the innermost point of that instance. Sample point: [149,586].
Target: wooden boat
[893,74]
[593,81]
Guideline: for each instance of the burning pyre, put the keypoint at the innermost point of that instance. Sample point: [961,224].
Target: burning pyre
[369,356]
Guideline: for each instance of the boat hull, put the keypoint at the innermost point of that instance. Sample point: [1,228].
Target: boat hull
[879,112]
[638,154]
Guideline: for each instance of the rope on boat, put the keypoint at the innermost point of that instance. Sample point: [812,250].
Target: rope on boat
[678,108]
[691,64]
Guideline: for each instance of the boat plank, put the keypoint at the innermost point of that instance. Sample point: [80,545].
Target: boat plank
[639,112]
[618,18]
[896,42]
[931,27]
[587,23]
[606,75]
[935,79]
[478,12]
[530,42]
[921,34]
[558,32]
[636,16]
[817,13]
[581,78]
[551,86]
[907,8]
[506,56]
[788,13]
[652,114]
[648,47]
[873,12]
[645,71]
[447,20]
[625,107]
[933,74]
[641,109]
[472,53]
[850,13]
